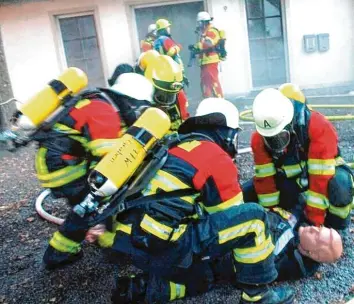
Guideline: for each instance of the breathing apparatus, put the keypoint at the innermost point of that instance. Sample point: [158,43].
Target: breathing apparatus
[46,107]
[112,177]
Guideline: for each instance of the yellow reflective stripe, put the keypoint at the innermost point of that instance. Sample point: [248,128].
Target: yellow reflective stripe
[63,244]
[167,182]
[154,227]
[256,254]
[235,201]
[265,170]
[100,147]
[60,128]
[293,170]
[173,51]
[256,226]
[316,200]
[68,175]
[269,199]
[322,166]
[40,162]
[82,103]
[177,291]
[246,297]
[177,233]
[342,212]
[283,213]
[189,146]
[124,228]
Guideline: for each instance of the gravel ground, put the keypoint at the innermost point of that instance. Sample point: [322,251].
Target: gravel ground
[24,236]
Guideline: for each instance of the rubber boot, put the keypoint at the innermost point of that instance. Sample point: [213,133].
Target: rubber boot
[130,289]
[266,295]
[54,258]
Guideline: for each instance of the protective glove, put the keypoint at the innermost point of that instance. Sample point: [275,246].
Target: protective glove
[315,216]
[185,80]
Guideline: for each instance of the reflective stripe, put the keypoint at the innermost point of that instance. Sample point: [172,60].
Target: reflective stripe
[82,103]
[293,170]
[283,213]
[231,233]
[124,228]
[173,51]
[63,244]
[60,128]
[342,212]
[235,201]
[63,176]
[269,199]
[265,170]
[246,297]
[322,166]
[154,227]
[177,233]
[256,254]
[100,147]
[167,182]
[189,146]
[40,164]
[82,140]
[316,200]
[283,240]
[177,291]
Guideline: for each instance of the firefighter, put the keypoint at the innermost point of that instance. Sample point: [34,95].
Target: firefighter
[74,145]
[192,210]
[148,43]
[165,45]
[167,78]
[209,57]
[298,253]
[296,152]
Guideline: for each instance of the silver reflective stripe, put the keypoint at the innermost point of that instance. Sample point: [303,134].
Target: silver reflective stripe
[155,227]
[283,241]
[178,291]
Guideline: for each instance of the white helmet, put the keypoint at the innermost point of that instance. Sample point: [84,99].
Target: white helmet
[220,105]
[152,28]
[203,16]
[135,86]
[272,112]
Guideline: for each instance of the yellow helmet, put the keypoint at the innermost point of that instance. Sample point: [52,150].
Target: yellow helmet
[292,91]
[162,24]
[147,58]
[165,74]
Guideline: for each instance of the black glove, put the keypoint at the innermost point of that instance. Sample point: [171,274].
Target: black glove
[191,47]
[186,81]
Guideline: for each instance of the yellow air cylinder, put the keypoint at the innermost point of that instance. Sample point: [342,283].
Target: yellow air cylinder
[119,165]
[38,108]
[292,91]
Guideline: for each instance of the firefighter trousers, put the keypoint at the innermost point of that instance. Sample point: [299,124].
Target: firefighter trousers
[210,83]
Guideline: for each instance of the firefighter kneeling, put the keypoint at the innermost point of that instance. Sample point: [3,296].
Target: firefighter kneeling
[296,151]
[192,210]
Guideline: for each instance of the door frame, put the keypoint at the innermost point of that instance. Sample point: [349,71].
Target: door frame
[133,26]
[283,4]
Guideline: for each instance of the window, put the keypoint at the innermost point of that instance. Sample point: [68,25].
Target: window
[81,48]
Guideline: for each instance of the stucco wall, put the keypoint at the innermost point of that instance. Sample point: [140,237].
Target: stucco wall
[314,17]
[30,37]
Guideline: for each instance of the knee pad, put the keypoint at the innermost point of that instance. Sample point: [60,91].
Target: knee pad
[340,187]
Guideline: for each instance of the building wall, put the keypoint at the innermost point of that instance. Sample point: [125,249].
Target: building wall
[30,38]
[321,16]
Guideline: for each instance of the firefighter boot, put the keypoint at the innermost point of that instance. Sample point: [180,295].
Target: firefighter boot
[130,289]
[54,258]
[265,295]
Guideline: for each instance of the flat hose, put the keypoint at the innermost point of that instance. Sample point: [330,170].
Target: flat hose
[44,214]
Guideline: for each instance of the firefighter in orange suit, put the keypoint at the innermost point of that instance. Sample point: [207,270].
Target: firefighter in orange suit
[296,151]
[73,146]
[148,43]
[209,58]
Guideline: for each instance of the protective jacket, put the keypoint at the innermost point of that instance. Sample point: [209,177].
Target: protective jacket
[207,44]
[310,159]
[70,147]
[193,208]
[165,45]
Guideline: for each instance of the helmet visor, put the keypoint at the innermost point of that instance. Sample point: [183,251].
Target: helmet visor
[279,142]
[165,99]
